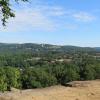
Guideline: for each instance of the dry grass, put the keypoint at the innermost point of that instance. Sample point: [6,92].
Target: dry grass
[89,92]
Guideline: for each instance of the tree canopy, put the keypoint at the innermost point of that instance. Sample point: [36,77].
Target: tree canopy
[28,66]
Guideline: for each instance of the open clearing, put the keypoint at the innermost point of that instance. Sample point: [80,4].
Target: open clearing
[90,90]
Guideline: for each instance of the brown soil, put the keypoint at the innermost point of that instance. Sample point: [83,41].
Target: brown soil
[89,90]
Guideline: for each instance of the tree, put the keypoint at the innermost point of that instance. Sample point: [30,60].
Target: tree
[6,11]
[97,69]
[88,72]
[66,73]
[3,83]
[58,71]
[71,73]
[12,77]
[37,78]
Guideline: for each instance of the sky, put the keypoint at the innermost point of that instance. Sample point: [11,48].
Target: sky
[60,22]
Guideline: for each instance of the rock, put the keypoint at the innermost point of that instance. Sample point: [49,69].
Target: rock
[77,84]
[15,90]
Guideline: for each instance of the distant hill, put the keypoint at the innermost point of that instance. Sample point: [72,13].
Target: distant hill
[97,49]
[35,48]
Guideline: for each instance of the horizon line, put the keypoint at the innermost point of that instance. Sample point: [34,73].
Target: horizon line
[48,44]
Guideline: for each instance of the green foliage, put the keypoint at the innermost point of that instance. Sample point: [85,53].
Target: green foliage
[58,71]
[3,84]
[9,77]
[65,73]
[37,78]
[71,74]
[13,77]
[6,10]
[88,72]
[37,66]
[97,70]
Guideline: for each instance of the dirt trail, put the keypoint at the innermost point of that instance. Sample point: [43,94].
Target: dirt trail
[89,92]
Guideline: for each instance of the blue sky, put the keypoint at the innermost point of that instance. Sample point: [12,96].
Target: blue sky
[62,22]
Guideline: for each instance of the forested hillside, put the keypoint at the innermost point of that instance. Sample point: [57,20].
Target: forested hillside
[34,48]
[26,66]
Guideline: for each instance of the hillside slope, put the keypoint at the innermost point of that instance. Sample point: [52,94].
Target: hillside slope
[89,90]
[43,48]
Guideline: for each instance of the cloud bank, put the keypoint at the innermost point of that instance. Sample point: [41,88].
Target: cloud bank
[46,18]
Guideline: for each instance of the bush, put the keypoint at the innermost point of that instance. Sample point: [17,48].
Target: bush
[37,78]
[3,82]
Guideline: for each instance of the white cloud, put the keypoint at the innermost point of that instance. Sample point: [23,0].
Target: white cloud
[29,19]
[83,16]
[38,18]
[46,18]
[52,10]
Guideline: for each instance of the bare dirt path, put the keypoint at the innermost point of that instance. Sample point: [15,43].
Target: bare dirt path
[89,92]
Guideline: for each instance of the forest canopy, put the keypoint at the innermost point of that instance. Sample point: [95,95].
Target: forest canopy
[28,66]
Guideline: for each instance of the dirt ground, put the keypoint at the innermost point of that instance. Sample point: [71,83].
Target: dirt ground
[90,91]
